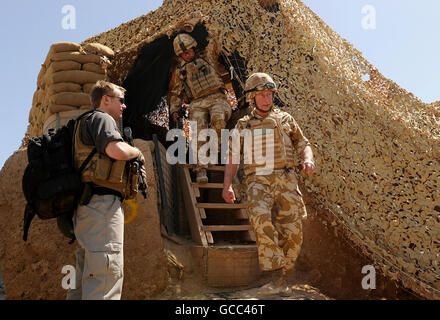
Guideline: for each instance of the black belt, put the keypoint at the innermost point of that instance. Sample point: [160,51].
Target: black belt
[102,191]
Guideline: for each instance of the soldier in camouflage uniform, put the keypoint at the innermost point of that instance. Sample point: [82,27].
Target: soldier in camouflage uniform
[197,80]
[279,239]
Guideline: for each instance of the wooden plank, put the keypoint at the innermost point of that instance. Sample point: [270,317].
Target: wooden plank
[208,185]
[240,227]
[210,168]
[166,214]
[194,219]
[216,168]
[232,267]
[202,213]
[196,191]
[221,205]
[209,237]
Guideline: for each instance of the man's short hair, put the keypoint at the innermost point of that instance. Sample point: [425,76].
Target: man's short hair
[100,89]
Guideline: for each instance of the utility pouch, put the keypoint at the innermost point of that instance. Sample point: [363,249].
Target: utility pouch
[133,181]
[103,167]
[117,172]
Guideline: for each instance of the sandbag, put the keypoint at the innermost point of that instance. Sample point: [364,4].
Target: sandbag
[33,114]
[41,74]
[75,56]
[64,46]
[59,119]
[35,97]
[60,47]
[63,87]
[45,101]
[40,117]
[86,107]
[63,66]
[76,99]
[93,67]
[75,76]
[87,88]
[40,95]
[99,49]
[54,108]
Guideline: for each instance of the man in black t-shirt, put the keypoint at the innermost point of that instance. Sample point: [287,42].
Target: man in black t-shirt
[99,224]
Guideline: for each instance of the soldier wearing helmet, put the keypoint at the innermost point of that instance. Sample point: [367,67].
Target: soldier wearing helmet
[274,133]
[197,80]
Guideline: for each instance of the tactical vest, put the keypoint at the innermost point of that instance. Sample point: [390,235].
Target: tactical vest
[200,78]
[104,171]
[269,135]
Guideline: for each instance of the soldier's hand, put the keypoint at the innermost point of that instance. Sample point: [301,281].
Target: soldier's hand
[140,157]
[309,167]
[175,116]
[228,195]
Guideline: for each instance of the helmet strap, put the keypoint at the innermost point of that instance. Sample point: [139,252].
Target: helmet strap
[182,45]
[264,111]
[256,107]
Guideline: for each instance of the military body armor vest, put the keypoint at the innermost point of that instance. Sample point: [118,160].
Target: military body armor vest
[104,171]
[200,78]
[269,134]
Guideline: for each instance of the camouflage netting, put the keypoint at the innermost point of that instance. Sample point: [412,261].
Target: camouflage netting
[376,145]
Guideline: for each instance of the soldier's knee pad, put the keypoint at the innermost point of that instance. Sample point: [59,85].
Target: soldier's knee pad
[218,123]
[201,118]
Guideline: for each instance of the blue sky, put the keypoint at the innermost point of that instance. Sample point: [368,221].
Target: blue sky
[404,45]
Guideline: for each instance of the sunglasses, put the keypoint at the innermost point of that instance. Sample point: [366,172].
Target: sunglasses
[266,86]
[121,99]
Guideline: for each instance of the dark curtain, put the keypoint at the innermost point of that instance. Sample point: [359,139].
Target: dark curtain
[148,80]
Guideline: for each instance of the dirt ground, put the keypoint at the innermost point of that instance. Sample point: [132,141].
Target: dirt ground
[328,268]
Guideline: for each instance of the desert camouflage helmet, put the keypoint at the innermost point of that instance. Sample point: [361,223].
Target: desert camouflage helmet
[183,42]
[258,82]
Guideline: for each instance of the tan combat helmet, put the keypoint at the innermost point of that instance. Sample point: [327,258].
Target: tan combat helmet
[183,42]
[258,82]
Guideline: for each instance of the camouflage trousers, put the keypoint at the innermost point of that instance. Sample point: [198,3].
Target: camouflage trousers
[211,111]
[276,210]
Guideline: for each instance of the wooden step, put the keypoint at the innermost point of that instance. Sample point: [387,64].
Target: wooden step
[221,205]
[194,218]
[197,214]
[241,227]
[208,185]
[216,168]
[210,168]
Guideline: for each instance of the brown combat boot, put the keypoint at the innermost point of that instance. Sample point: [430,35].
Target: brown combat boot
[278,286]
[201,176]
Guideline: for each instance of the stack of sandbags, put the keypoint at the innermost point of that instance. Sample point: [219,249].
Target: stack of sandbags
[64,83]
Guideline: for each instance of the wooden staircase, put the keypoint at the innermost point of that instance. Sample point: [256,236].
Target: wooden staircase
[225,241]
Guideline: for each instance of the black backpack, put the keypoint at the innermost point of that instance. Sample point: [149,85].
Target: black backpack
[51,184]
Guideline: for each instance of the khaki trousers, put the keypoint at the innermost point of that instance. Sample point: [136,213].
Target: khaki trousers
[213,109]
[279,238]
[99,229]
